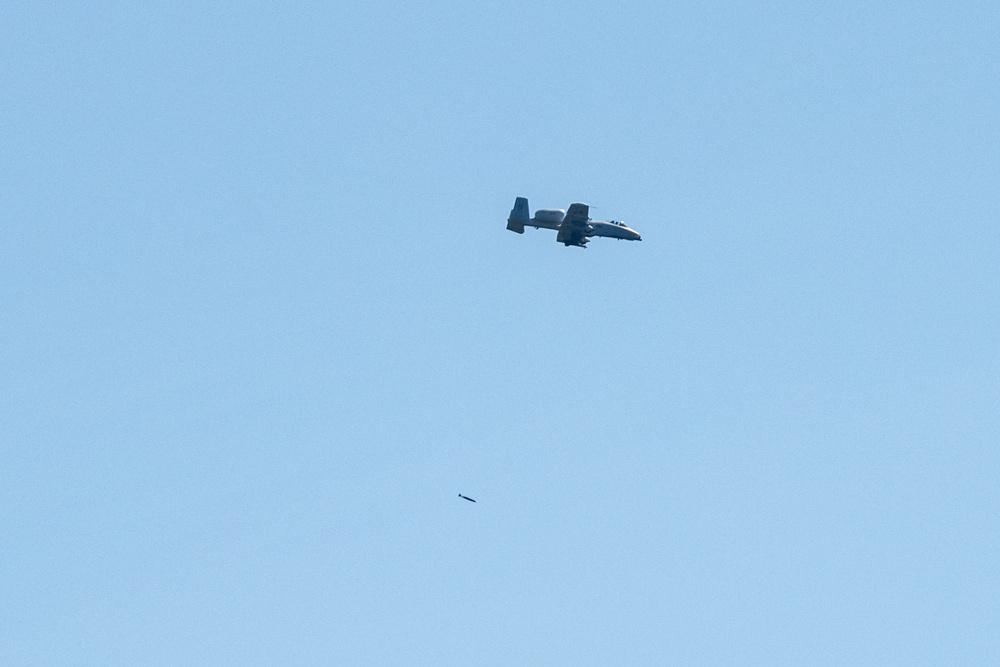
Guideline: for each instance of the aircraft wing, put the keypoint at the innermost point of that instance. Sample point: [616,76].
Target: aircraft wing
[577,214]
[574,227]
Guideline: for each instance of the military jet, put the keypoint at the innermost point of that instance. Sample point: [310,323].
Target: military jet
[574,227]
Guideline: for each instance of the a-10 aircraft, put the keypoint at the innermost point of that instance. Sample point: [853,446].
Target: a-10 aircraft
[574,227]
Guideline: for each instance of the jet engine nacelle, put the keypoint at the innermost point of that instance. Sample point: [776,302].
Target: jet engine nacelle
[550,215]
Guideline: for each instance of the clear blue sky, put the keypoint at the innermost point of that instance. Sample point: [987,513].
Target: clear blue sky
[261,322]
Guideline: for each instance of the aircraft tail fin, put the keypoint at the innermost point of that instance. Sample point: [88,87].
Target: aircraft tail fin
[518,215]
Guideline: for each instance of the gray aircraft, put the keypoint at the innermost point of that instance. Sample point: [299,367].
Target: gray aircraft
[574,227]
